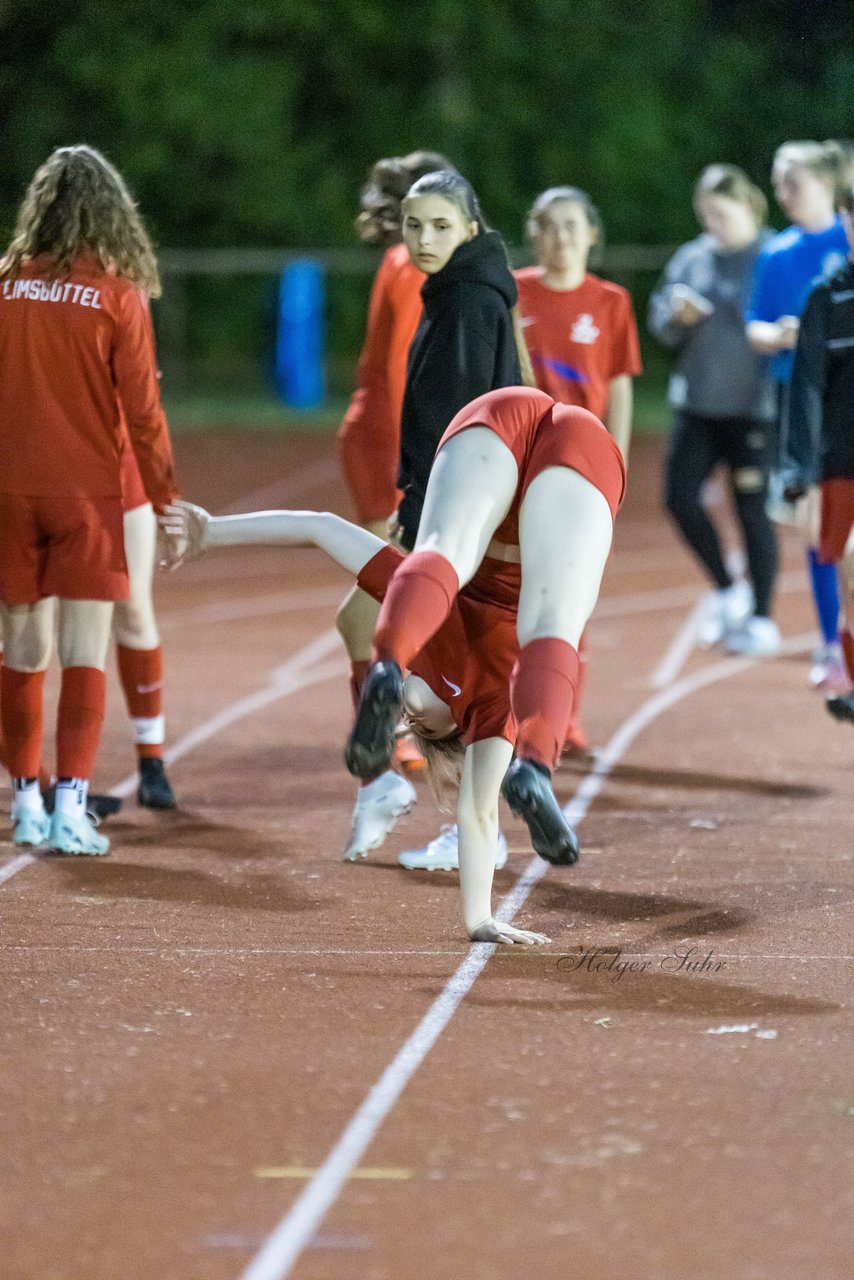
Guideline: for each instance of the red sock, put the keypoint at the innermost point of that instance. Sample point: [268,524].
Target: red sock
[418,601]
[575,736]
[82,697]
[358,671]
[22,717]
[141,674]
[45,776]
[846,639]
[542,692]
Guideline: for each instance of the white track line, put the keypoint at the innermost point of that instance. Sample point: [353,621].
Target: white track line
[297,673]
[282,1248]
[20,863]
[541,953]
[305,668]
[256,607]
[680,649]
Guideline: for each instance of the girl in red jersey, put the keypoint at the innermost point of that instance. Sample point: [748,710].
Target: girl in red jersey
[516,477]
[456,696]
[77,371]
[369,451]
[580,330]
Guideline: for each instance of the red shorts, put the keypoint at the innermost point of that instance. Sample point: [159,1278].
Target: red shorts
[133,491]
[67,547]
[468,662]
[540,434]
[837,518]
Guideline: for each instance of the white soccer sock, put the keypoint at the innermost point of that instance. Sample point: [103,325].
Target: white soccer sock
[27,796]
[71,797]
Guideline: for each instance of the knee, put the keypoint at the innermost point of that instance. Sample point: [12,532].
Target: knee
[748,482]
[345,620]
[28,656]
[134,624]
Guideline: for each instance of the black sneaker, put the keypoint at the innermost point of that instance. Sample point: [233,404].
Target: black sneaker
[371,743]
[102,806]
[154,791]
[527,788]
[841,706]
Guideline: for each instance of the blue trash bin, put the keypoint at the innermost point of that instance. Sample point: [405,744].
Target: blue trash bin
[299,371]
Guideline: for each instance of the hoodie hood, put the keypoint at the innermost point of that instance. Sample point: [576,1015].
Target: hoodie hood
[481,260]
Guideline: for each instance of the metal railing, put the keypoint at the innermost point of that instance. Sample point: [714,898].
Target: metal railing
[174,312]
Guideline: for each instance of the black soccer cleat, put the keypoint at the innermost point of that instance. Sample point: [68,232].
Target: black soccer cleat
[155,791]
[527,788]
[841,706]
[102,806]
[371,743]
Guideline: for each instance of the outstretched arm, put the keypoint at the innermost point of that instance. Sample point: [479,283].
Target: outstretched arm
[189,529]
[477,818]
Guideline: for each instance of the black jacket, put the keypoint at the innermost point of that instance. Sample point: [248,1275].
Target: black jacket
[819,440]
[463,347]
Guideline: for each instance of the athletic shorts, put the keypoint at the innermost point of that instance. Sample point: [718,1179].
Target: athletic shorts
[67,547]
[542,434]
[133,491]
[837,518]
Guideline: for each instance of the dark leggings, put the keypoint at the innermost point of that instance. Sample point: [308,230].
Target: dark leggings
[697,445]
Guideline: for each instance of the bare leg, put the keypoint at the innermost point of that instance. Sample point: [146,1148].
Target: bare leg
[472,483]
[134,623]
[28,631]
[565,533]
[471,486]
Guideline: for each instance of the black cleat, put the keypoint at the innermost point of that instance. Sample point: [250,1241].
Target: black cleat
[155,791]
[841,706]
[102,806]
[527,788]
[371,743]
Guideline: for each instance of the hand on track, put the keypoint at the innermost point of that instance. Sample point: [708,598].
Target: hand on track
[495,931]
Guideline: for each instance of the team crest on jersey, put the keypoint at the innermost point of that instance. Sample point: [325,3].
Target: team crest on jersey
[584,330]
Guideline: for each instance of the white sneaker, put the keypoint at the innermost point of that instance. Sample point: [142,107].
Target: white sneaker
[30,827]
[378,807]
[757,638]
[75,835]
[828,673]
[724,611]
[443,852]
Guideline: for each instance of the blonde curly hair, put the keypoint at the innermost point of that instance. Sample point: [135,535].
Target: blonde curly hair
[76,203]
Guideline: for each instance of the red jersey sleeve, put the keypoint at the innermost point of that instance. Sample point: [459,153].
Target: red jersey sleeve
[625,347]
[377,573]
[135,376]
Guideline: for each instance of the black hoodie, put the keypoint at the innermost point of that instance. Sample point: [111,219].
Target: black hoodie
[463,347]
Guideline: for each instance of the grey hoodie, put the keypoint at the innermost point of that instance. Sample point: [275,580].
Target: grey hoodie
[717,375]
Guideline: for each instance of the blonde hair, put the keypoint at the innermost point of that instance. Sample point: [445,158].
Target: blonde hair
[77,203]
[824,159]
[730,181]
[444,759]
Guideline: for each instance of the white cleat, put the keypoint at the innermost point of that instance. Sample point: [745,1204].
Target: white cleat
[724,611]
[828,673]
[30,827]
[443,853]
[76,835]
[758,638]
[378,807]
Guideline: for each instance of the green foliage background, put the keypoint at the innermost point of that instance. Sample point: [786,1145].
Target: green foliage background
[255,123]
